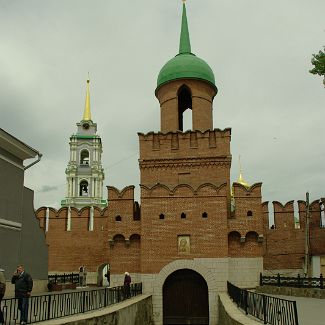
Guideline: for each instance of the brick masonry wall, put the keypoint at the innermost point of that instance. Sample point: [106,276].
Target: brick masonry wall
[147,245]
[285,244]
[202,94]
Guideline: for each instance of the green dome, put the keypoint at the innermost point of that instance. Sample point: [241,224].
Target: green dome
[185,65]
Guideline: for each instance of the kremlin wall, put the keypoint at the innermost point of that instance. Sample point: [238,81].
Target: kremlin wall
[115,233]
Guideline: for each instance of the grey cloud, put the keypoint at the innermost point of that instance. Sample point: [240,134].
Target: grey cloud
[47,188]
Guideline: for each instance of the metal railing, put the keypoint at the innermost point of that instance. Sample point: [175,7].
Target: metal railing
[297,282]
[51,306]
[64,278]
[270,310]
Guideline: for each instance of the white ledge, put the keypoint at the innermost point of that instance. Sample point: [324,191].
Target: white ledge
[8,224]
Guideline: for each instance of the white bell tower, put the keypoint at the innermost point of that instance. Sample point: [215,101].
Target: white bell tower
[85,174]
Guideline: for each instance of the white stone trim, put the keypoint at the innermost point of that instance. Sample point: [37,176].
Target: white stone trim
[207,268]
[91,219]
[8,224]
[245,271]
[10,161]
[47,219]
[69,219]
[235,313]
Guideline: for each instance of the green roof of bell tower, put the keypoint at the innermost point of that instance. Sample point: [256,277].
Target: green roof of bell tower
[185,64]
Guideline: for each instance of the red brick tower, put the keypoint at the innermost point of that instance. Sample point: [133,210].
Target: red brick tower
[185,175]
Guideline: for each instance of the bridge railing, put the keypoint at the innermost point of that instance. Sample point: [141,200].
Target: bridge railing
[64,278]
[51,306]
[297,282]
[270,310]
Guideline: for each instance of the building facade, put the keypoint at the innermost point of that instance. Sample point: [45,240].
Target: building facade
[193,230]
[22,241]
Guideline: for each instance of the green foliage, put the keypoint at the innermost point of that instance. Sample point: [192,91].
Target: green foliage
[318,61]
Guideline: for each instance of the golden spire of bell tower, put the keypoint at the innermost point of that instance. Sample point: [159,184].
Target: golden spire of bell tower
[87,113]
[241,179]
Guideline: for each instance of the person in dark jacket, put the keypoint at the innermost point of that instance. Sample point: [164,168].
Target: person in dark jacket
[23,287]
[2,292]
[127,284]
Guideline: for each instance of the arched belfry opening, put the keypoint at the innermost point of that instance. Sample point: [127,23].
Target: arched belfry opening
[184,108]
[185,298]
[84,157]
[83,188]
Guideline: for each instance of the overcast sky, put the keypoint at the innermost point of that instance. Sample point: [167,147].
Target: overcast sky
[259,51]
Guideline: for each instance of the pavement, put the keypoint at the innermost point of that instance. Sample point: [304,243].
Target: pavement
[311,311]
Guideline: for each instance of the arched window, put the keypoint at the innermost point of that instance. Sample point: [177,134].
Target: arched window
[184,103]
[204,215]
[118,218]
[84,157]
[249,213]
[83,188]
[183,215]
[161,216]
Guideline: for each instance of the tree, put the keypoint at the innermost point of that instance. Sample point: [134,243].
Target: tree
[318,61]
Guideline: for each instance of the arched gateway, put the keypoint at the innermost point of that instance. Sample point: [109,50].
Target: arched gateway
[185,299]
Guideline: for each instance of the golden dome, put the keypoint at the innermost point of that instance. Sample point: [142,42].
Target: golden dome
[242,181]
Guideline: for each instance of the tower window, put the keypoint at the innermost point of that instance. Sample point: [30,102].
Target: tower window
[161,216]
[249,213]
[83,188]
[84,157]
[118,218]
[204,215]
[183,215]
[184,103]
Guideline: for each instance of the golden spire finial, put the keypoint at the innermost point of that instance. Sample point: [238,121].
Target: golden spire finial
[87,113]
[241,179]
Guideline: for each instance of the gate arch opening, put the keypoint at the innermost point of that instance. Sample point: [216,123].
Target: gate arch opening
[103,275]
[185,298]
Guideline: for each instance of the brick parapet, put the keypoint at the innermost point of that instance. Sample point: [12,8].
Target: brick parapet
[195,144]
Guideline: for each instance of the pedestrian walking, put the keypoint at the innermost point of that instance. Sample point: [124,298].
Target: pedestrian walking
[23,287]
[2,292]
[81,276]
[84,277]
[127,284]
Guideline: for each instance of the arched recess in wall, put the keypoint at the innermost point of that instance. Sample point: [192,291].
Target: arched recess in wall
[84,157]
[118,239]
[135,238]
[134,255]
[119,255]
[234,244]
[252,247]
[184,105]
